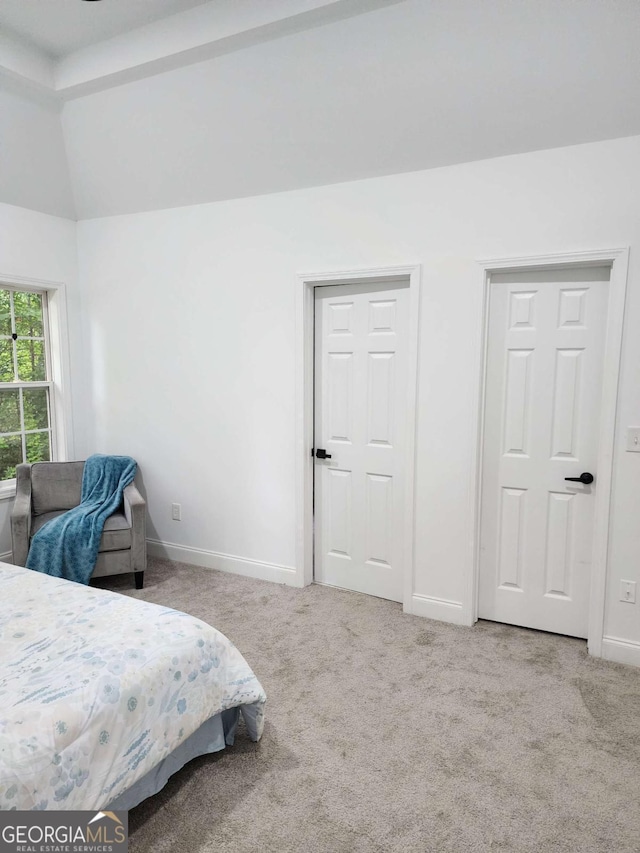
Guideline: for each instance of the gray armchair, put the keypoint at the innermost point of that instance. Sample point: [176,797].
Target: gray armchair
[47,489]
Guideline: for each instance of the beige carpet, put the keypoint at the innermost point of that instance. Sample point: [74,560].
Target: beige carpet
[388,732]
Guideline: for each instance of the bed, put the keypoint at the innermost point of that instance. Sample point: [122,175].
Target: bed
[103,697]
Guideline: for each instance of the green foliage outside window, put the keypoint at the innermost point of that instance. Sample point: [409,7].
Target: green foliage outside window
[24,411]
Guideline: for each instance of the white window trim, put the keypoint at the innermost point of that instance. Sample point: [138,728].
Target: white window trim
[60,403]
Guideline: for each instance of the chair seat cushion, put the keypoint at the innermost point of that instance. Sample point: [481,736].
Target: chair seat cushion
[116,535]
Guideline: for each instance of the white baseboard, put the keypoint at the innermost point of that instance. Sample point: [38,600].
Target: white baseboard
[621,651]
[437,608]
[223,562]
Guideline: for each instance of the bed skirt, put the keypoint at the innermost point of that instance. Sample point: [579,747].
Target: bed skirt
[212,736]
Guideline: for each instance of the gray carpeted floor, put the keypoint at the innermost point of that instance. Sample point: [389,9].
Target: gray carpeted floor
[387,732]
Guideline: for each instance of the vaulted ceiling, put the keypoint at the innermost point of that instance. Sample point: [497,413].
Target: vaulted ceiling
[59,27]
[225,99]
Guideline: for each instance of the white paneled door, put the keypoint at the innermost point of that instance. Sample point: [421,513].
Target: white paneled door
[361,358]
[543,389]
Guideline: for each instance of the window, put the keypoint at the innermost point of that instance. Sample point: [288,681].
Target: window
[26,433]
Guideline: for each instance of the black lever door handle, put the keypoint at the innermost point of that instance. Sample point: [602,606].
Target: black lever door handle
[585,478]
[322,454]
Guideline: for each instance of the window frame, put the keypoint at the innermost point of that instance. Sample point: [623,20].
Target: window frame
[57,358]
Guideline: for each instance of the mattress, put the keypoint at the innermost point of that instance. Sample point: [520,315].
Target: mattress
[97,689]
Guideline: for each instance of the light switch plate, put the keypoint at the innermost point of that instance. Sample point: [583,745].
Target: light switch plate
[633,439]
[628,591]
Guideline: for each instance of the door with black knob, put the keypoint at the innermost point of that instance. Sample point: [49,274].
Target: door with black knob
[361,422]
[543,385]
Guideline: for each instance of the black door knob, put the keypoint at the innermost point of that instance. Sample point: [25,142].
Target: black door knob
[585,478]
[322,454]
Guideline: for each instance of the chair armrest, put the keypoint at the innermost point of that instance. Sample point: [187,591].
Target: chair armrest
[21,516]
[135,510]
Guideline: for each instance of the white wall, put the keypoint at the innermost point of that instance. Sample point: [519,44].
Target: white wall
[37,246]
[33,162]
[190,318]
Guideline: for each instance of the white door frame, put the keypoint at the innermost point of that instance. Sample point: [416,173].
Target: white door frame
[618,259]
[305,304]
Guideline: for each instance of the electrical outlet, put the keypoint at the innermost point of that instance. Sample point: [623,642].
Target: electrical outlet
[176,512]
[628,591]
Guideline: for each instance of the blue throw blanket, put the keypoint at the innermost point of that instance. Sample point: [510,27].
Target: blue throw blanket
[67,546]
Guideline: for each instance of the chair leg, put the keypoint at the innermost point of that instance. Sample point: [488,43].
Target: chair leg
[139,579]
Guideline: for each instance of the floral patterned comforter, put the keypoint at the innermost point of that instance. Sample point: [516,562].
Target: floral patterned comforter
[96,688]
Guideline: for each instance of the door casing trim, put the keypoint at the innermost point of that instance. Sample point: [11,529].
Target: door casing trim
[618,260]
[305,286]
